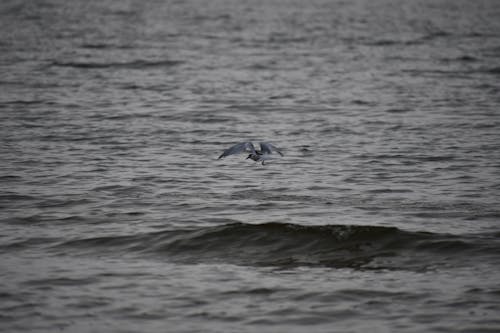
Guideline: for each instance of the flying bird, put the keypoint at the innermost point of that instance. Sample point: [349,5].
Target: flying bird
[262,155]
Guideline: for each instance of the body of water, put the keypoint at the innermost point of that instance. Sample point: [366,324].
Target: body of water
[382,216]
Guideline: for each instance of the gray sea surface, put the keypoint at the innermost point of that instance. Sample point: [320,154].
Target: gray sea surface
[382,216]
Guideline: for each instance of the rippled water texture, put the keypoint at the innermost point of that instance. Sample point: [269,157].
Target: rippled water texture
[382,216]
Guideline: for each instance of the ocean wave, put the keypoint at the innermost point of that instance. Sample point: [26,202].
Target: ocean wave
[135,64]
[289,245]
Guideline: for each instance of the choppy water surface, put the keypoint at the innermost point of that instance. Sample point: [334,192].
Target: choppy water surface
[116,215]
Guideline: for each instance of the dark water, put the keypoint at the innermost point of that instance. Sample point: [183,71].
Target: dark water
[383,215]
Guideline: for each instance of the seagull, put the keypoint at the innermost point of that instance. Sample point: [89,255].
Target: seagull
[261,155]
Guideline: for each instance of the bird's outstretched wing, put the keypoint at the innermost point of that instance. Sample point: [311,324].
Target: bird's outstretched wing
[239,148]
[267,148]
